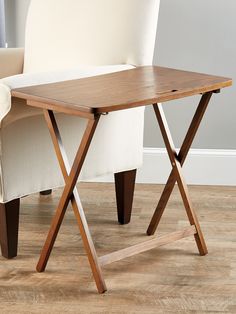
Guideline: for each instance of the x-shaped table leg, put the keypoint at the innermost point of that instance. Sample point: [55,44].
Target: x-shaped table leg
[177,160]
[70,193]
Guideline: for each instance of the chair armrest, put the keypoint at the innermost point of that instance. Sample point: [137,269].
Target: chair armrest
[11,61]
[31,79]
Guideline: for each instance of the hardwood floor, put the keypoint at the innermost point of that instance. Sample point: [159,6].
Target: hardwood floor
[168,279]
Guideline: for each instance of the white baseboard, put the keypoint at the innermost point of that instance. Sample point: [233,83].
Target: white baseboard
[202,167]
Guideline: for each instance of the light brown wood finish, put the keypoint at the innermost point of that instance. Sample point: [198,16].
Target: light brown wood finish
[147,245]
[179,177]
[108,93]
[70,193]
[121,90]
[181,158]
[76,204]
[71,176]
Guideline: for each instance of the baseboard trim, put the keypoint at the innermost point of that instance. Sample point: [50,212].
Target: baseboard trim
[202,167]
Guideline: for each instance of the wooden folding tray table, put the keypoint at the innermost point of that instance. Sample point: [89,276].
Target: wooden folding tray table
[92,97]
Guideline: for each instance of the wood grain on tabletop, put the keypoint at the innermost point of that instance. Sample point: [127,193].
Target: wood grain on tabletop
[120,90]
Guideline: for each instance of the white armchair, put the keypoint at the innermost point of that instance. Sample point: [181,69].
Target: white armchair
[70,39]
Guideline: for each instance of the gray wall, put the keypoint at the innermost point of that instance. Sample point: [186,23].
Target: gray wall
[2,24]
[16,11]
[199,36]
[192,35]
[10,18]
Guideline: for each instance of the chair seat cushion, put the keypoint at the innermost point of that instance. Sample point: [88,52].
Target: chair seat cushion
[12,111]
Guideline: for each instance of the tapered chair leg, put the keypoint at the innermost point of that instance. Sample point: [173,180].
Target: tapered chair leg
[46,192]
[9,225]
[124,184]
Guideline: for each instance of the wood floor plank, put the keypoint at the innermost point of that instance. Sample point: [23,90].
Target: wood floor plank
[170,279]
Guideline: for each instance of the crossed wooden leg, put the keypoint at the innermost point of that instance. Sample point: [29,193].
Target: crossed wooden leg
[70,193]
[177,160]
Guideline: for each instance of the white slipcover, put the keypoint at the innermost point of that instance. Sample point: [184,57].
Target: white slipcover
[69,39]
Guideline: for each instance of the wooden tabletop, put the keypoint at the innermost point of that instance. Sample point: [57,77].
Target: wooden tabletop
[120,90]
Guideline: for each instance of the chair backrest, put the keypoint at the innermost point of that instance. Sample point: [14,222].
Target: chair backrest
[62,34]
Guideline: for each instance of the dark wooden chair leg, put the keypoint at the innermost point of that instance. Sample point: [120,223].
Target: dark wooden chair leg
[125,183]
[9,225]
[46,192]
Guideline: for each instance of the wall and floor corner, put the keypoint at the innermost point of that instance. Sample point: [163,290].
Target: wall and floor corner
[196,36]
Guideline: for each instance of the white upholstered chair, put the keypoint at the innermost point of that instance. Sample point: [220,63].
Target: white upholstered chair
[69,39]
